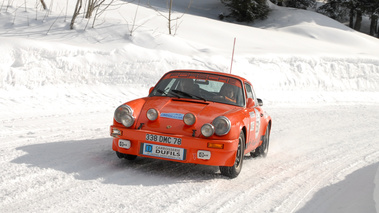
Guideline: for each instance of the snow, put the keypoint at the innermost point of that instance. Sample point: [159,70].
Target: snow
[319,81]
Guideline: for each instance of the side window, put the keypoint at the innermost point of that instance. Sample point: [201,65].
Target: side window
[249,91]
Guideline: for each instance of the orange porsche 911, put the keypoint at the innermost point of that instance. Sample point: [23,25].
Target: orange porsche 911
[194,116]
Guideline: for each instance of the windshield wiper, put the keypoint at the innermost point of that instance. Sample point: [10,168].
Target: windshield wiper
[199,97]
[161,92]
[164,93]
[188,94]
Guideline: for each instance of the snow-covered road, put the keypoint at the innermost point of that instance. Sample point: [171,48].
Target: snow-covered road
[319,81]
[64,163]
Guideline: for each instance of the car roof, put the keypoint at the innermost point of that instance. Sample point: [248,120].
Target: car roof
[210,72]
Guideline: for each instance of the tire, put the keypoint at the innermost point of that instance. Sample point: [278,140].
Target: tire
[120,155]
[126,156]
[262,150]
[130,157]
[233,171]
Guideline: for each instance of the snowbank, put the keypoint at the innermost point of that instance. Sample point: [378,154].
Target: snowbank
[59,88]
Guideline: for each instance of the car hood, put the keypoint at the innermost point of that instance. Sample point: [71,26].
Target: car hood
[172,110]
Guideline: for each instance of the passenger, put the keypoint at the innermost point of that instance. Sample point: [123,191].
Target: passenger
[186,85]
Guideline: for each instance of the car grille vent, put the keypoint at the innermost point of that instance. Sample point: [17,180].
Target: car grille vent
[189,101]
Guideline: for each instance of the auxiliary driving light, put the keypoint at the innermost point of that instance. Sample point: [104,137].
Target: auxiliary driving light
[207,130]
[127,120]
[152,114]
[124,114]
[189,119]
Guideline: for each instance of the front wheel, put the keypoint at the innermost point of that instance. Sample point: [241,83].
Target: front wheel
[233,171]
[126,156]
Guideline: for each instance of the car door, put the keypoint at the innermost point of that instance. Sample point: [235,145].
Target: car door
[255,120]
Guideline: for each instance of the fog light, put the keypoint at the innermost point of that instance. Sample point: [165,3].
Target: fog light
[124,144]
[205,155]
[115,132]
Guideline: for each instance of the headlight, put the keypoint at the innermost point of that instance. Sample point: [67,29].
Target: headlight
[207,130]
[189,119]
[152,114]
[124,115]
[222,125]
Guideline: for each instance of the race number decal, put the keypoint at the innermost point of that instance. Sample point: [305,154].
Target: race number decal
[257,122]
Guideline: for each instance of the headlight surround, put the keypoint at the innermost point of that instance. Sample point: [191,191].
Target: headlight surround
[189,119]
[124,114]
[222,125]
[152,114]
[207,130]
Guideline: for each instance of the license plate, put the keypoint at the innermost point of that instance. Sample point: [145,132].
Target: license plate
[164,139]
[163,151]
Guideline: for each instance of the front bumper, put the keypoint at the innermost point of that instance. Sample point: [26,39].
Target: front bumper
[193,147]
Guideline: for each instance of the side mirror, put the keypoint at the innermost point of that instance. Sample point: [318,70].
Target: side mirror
[151,89]
[250,103]
[260,102]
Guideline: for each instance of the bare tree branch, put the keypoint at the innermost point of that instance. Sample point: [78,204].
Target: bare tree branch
[76,13]
[43,4]
[169,17]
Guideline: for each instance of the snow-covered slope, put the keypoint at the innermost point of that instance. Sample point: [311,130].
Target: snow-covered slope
[318,79]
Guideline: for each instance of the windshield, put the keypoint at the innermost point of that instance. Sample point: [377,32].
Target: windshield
[200,86]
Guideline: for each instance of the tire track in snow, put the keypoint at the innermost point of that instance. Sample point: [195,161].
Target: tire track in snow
[307,153]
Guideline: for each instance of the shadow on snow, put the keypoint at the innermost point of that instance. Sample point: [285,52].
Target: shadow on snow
[353,194]
[95,159]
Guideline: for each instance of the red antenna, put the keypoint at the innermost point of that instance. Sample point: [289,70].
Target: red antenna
[231,64]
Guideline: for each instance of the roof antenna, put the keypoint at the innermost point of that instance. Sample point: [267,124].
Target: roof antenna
[231,64]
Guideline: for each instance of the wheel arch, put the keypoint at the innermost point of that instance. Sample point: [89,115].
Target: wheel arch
[269,124]
[244,133]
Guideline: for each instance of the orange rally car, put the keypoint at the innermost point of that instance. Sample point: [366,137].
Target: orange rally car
[194,116]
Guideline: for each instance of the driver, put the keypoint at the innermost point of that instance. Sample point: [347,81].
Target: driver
[228,92]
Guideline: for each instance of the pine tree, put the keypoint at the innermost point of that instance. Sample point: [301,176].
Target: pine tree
[372,10]
[353,9]
[336,9]
[301,4]
[247,10]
